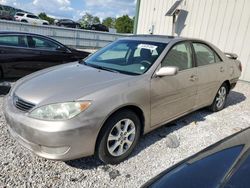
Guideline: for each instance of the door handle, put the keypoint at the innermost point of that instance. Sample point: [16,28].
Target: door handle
[221,69]
[193,78]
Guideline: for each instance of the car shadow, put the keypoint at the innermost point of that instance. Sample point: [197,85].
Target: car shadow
[147,140]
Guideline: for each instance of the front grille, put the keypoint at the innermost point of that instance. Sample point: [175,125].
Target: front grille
[22,105]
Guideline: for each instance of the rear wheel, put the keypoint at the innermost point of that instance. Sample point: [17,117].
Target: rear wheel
[118,137]
[220,99]
[24,21]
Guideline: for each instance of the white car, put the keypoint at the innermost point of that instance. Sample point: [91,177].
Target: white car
[30,18]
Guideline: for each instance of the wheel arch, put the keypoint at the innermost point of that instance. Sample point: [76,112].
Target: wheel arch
[134,108]
[1,72]
[228,85]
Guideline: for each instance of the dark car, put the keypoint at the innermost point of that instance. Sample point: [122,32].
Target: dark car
[4,14]
[224,164]
[98,27]
[24,53]
[68,23]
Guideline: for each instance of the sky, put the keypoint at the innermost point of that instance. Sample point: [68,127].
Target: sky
[75,9]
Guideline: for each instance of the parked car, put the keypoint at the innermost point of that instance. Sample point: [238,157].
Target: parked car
[98,27]
[68,23]
[224,164]
[30,18]
[5,15]
[102,105]
[24,53]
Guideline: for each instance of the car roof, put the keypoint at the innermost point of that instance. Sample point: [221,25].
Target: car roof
[21,12]
[158,38]
[20,33]
[152,38]
[31,34]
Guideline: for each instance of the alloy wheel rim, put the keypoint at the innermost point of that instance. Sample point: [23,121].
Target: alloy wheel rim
[221,97]
[121,137]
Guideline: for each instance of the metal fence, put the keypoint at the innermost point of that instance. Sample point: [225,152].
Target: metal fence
[77,38]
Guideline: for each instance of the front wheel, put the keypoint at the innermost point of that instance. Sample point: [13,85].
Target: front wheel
[118,137]
[220,99]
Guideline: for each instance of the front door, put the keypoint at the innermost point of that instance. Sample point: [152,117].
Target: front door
[172,96]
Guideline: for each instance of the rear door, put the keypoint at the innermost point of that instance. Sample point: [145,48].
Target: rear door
[172,96]
[211,71]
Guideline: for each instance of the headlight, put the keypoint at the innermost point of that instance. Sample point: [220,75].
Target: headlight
[59,111]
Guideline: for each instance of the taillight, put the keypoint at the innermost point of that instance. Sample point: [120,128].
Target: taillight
[240,67]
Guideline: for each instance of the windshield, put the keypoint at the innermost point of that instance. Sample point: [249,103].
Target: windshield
[127,56]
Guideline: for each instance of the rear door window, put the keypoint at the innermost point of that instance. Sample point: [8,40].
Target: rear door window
[205,55]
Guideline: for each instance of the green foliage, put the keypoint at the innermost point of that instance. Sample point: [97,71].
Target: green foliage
[44,16]
[88,19]
[124,24]
[109,22]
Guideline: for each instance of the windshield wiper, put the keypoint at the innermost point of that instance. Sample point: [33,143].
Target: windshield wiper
[100,67]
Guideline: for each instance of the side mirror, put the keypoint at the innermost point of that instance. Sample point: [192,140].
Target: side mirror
[167,71]
[62,49]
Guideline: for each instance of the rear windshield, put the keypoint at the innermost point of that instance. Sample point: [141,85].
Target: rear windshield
[32,16]
[19,14]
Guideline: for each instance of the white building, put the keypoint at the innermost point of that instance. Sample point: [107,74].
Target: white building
[225,23]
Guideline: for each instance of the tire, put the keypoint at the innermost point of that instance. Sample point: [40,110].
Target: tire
[24,21]
[114,146]
[220,99]
[1,74]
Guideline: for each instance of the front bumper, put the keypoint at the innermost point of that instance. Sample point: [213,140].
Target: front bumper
[57,140]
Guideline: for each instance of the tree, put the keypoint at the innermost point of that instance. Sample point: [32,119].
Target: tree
[124,24]
[96,20]
[44,16]
[109,22]
[88,19]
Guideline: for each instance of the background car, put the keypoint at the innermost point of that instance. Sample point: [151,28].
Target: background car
[24,53]
[98,27]
[8,12]
[29,18]
[5,15]
[103,104]
[224,164]
[67,23]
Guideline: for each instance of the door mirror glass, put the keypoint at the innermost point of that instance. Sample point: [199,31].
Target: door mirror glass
[61,49]
[167,71]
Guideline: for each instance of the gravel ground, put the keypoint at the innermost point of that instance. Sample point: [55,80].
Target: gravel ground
[157,151]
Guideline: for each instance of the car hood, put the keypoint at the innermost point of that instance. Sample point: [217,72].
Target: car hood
[66,83]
